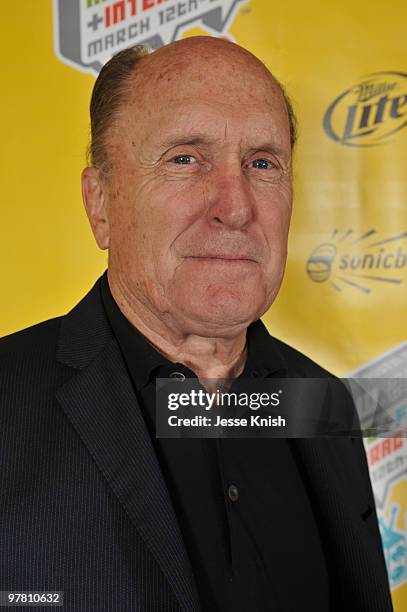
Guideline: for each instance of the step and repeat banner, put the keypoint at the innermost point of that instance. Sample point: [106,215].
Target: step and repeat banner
[345,68]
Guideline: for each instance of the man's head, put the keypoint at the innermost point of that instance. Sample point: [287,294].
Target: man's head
[190,184]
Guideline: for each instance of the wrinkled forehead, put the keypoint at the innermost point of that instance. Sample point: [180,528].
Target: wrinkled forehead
[183,91]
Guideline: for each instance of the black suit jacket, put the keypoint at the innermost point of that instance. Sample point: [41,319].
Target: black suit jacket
[84,506]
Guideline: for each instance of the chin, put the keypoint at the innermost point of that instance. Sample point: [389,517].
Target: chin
[223,311]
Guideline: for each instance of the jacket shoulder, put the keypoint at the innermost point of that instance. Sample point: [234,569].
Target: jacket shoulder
[296,361]
[40,338]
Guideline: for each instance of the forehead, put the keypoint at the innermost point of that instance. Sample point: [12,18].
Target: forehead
[219,98]
[179,74]
[214,124]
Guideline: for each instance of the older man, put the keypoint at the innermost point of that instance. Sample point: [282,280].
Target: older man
[189,188]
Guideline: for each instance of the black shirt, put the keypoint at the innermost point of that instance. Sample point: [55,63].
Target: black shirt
[241,504]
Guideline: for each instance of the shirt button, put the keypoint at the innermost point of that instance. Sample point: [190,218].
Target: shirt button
[233,493]
[178,375]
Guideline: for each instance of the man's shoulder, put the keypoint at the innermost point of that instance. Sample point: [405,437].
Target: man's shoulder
[82,322]
[30,371]
[297,362]
[29,343]
[341,414]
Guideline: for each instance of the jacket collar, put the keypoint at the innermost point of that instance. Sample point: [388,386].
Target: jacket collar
[100,402]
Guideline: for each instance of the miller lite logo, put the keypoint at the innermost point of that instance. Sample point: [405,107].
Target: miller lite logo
[367,113]
[89,32]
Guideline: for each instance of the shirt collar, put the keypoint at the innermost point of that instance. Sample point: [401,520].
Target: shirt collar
[141,357]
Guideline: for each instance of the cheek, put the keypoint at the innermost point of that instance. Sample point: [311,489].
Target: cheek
[166,214]
[275,226]
[130,244]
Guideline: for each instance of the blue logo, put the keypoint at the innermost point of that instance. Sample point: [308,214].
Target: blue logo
[395,548]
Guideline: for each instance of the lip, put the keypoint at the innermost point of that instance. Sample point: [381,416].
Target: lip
[227,258]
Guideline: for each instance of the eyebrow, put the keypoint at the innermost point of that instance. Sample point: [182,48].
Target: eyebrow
[191,139]
[269,147]
[198,138]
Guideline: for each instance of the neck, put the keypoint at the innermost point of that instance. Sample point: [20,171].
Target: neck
[209,357]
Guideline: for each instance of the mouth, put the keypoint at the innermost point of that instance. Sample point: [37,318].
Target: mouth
[225,258]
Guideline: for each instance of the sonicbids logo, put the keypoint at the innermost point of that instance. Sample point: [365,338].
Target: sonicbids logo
[359,262]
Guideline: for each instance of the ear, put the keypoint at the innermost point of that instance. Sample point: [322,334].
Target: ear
[95,200]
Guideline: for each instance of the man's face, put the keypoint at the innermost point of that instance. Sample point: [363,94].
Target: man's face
[199,198]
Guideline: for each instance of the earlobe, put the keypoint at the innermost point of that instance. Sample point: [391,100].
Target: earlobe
[95,200]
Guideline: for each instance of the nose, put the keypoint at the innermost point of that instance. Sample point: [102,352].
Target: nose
[229,200]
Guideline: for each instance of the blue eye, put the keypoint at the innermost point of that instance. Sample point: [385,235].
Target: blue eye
[183,159]
[263,164]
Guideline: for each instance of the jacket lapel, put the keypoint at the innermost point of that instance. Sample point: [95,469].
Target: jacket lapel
[100,402]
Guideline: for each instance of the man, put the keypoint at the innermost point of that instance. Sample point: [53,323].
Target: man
[190,190]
